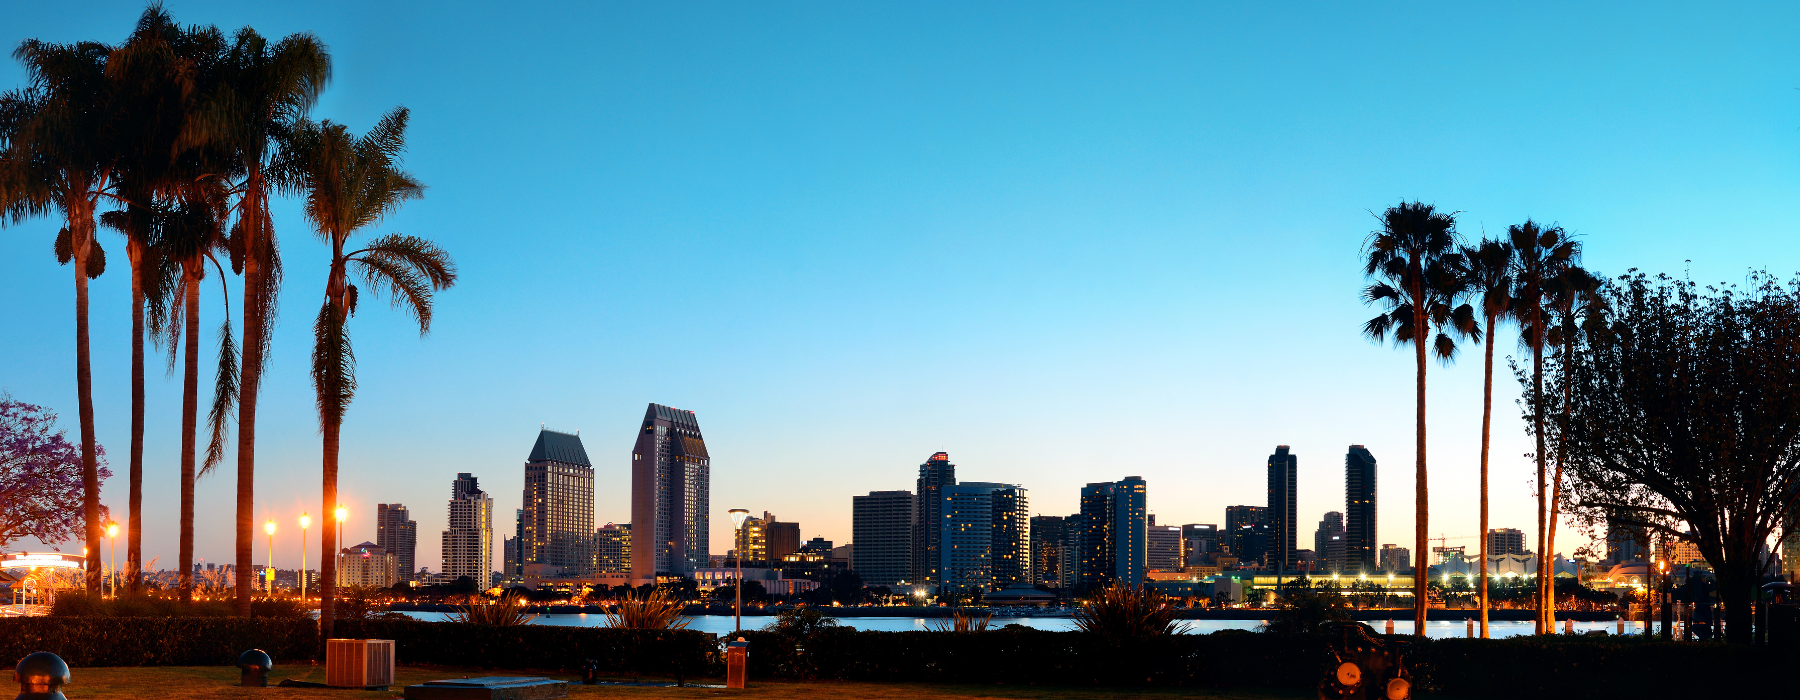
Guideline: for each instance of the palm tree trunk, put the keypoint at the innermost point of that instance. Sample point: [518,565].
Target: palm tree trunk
[1487,420]
[1537,420]
[328,552]
[1421,506]
[1562,452]
[190,410]
[250,379]
[134,527]
[81,236]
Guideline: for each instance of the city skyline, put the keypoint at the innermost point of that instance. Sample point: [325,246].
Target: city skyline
[866,273]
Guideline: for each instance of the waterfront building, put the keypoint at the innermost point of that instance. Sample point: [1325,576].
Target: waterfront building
[1626,543]
[783,538]
[1199,540]
[881,526]
[1359,511]
[753,542]
[1047,555]
[558,516]
[1396,560]
[1012,536]
[396,533]
[1505,540]
[468,545]
[936,474]
[1328,542]
[1282,516]
[368,564]
[671,481]
[1094,538]
[612,549]
[1115,520]
[1162,547]
[984,538]
[1237,518]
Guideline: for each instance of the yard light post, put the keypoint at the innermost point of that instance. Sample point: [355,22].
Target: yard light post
[738,516]
[269,574]
[305,520]
[341,513]
[112,532]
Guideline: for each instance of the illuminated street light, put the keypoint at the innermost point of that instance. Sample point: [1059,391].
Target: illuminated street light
[269,573]
[112,531]
[738,516]
[305,520]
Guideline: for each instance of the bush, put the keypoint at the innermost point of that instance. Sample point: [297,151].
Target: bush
[157,641]
[675,653]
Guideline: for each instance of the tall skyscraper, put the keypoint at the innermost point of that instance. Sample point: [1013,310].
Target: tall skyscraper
[671,492]
[1283,515]
[397,534]
[881,527]
[1130,530]
[1328,542]
[559,508]
[1238,520]
[468,546]
[1163,547]
[1047,556]
[935,474]
[1360,554]
[612,549]
[1095,560]
[515,558]
[1505,540]
[985,538]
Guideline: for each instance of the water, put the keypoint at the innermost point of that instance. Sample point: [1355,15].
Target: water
[723,624]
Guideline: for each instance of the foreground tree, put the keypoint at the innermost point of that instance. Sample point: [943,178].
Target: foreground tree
[41,481]
[1487,268]
[1415,261]
[1575,309]
[1686,412]
[352,183]
[59,151]
[1540,256]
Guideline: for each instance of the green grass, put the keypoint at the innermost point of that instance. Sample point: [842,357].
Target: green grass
[221,682]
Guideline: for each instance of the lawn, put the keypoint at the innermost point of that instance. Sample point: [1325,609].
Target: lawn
[221,682]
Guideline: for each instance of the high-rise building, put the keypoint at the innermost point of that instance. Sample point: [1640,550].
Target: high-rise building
[514,567]
[612,549]
[1626,543]
[985,537]
[1329,544]
[1359,511]
[1199,540]
[1162,547]
[1395,560]
[368,564]
[397,534]
[1238,523]
[1047,556]
[1094,562]
[783,538]
[468,546]
[1128,514]
[1505,540]
[881,526]
[671,487]
[753,542]
[558,515]
[935,474]
[1283,515]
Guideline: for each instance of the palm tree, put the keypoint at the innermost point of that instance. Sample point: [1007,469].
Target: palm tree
[1574,299]
[59,157]
[1489,273]
[1540,255]
[352,183]
[263,92]
[1414,260]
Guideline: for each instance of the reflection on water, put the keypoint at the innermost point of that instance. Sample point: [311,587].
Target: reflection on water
[722,624]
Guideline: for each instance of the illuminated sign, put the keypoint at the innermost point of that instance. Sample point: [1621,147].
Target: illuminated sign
[58,560]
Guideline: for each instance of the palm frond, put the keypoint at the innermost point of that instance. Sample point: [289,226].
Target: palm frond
[333,366]
[407,269]
[225,389]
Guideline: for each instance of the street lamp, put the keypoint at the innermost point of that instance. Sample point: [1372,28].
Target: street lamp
[112,531]
[269,574]
[738,516]
[305,520]
[341,513]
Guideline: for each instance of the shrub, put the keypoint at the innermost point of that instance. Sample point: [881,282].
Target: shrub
[677,653]
[157,641]
[506,611]
[651,609]
[1117,612]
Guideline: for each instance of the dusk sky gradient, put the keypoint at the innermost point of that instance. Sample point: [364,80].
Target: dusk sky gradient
[1065,243]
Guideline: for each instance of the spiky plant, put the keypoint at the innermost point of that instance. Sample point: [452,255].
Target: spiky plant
[509,610]
[960,620]
[656,609]
[1118,612]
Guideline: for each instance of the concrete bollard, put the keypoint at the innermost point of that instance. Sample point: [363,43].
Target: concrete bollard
[1471,626]
[1569,626]
[254,666]
[41,676]
[1621,625]
[1390,627]
[736,657]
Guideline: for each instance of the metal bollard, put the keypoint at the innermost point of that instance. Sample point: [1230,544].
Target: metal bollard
[736,655]
[41,676]
[590,672]
[255,666]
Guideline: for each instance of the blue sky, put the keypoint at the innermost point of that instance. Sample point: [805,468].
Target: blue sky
[1065,243]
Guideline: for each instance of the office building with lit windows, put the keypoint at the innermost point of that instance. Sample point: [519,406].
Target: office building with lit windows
[468,544]
[558,517]
[671,496]
[1360,553]
[881,527]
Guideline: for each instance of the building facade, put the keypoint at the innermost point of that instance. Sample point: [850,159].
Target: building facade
[1095,560]
[369,565]
[1163,548]
[783,537]
[881,527]
[1199,540]
[1047,556]
[397,534]
[936,474]
[612,549]
[1505,540]
[984,543]
[1283,514]
[1395,560]
[1360,554]
[468,546]
[671,492]
[1328,543]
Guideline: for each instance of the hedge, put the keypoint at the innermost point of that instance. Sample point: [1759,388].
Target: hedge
[157,641]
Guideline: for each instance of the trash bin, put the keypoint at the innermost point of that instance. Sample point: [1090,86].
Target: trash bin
[737,654]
